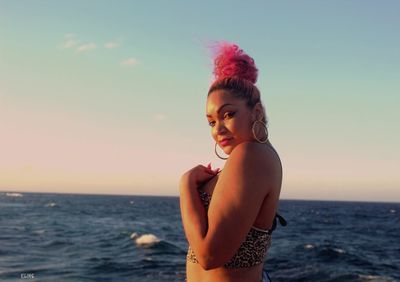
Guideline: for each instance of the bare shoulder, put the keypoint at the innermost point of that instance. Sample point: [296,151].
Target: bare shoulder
[256,160]
[252,152]
[247,160]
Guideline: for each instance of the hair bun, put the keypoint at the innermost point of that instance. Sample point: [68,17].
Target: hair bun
[231,61]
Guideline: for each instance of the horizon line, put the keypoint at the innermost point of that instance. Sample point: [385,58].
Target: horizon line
[177,196]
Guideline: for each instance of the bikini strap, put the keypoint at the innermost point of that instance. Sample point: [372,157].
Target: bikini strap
[282,221]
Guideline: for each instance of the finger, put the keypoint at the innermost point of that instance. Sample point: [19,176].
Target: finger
[211,171]
[209,165]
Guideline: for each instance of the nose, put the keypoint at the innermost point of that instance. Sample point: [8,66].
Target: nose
[220,128]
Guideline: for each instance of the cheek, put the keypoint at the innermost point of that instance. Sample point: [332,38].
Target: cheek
[213,133]
[242,128]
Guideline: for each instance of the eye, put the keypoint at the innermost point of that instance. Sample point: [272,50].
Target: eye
[211,123]
[229,114]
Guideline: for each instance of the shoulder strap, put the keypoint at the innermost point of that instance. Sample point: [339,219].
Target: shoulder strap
[282,221]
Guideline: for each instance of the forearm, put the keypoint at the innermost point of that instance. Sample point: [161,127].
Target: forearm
[194,216]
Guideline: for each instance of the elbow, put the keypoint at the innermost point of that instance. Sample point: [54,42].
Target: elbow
[209,261]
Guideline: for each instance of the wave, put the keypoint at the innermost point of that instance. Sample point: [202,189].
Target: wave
[365,277]
[51,205]
[325,250]
[309,246]
[338,250]
[40,231]
[145,239]
[14,195]
[331,252]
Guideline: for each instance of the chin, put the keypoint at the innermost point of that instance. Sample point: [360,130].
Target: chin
[228,150]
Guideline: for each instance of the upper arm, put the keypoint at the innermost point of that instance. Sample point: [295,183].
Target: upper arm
[236,201]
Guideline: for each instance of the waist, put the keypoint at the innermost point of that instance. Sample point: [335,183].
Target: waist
[194,272]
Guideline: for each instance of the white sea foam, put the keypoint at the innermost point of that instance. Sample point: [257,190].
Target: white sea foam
[51,205]
[131,202]
[309,246]
[340,251]
[392,210]
[39,231]
[145,239]
[367,277]
[14,195]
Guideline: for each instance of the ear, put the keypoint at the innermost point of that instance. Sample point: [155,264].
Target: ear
[258,112]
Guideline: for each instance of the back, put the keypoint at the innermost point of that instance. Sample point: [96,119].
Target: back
[263,221]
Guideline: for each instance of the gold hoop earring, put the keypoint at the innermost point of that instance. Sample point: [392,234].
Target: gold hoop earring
[215,149]
[254,133]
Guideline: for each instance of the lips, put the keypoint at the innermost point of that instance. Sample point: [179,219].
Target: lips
[225,141]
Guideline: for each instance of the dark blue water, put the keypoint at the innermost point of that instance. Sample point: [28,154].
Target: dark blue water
[55,237]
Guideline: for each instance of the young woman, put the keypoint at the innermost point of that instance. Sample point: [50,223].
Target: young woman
[228,216]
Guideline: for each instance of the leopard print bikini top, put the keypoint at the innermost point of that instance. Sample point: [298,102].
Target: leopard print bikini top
[254,248]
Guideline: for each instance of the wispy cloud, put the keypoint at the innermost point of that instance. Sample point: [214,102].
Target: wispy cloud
[72,42]
[160,117]
[86,47]
[129,62]
[112,45]
[69,41]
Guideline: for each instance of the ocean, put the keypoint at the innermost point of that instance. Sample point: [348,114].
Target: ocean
[65,237]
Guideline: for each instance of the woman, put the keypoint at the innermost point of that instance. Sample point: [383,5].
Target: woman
[230,234]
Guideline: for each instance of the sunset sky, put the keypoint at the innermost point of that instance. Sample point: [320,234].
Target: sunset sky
[109,97]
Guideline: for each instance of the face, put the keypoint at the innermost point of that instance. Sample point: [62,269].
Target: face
[230,118]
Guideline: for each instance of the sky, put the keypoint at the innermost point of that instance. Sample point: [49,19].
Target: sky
[101,97]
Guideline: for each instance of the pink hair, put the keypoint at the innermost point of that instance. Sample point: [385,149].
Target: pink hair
[235,72]
[231,61]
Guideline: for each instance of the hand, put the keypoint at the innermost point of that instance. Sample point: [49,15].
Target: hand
[200,174]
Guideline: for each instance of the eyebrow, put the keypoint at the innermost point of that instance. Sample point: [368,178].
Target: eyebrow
[227,104]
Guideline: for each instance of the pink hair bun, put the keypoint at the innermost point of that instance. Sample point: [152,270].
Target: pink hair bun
[231,61]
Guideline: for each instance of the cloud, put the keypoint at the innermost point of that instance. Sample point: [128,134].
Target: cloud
[86,47]
[160,117]
[72,42]
[111,45]
[129,62]
[69,41]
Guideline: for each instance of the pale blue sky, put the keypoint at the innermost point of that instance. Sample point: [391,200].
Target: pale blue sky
[109,97]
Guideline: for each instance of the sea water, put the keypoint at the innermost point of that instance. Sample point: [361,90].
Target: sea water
[65,237]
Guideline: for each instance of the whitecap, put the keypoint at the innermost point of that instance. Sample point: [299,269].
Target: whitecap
[131,202]
[392,210]
[144,240]
[367,277]
[51,205]
[340,251]
[14,194]
[39,231]
[309,246]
